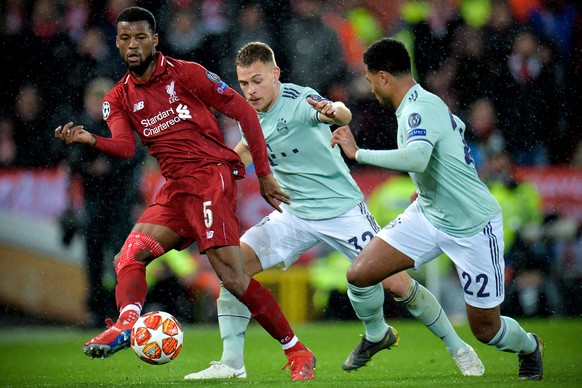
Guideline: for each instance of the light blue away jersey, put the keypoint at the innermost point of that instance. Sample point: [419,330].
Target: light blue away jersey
[451,195]
[302,160]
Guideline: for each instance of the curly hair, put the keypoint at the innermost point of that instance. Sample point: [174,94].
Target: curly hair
[137,14]
[389,55]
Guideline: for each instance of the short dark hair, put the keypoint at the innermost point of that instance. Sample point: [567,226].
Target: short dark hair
[137,14]
[255,51]
[389,55]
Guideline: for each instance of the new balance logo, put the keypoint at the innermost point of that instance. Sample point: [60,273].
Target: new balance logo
[138,106]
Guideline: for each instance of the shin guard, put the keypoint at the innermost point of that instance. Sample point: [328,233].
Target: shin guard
[131,286]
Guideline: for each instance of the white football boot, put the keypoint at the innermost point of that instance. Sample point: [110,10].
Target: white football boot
[218,370]
[469,363]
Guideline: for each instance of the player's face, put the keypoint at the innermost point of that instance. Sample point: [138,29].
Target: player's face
[380,87]
[259,83]
[136,44]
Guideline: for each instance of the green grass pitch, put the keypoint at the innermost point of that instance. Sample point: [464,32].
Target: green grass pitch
[52,357]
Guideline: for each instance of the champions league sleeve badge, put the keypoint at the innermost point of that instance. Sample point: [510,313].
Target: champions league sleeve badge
[106,109]
[414,120]
[213,77]
[216,79]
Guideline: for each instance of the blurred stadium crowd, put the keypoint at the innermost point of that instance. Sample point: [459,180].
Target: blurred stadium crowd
[511,69]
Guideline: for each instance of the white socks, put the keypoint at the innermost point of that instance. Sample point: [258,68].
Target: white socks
[425,307]
[233,319]
[368,303]
[512,338]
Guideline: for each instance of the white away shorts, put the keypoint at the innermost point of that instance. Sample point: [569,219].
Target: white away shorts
[478,258]
[280,238]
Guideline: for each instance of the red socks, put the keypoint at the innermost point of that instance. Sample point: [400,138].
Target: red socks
[265,309]
[132,287]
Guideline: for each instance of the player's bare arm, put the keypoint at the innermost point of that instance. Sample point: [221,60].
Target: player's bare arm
[71,133]
[272,193]
[332,112]
[345,139]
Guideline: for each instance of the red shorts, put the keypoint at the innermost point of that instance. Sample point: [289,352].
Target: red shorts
[199,208]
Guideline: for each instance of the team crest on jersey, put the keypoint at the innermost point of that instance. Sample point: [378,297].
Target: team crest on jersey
[172,92]
[213,77]
[282,127]
[414,120]
[106,109]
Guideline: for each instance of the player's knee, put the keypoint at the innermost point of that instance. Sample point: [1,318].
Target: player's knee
[484,337]
[354,277]
[234,282]
[483,332]
[139,248]
[398,284]
[234,286]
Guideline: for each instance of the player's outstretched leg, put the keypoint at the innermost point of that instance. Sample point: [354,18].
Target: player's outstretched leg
[422,304]
[512,338]
[233,319]
[265,309]
[130,294]
[115,338]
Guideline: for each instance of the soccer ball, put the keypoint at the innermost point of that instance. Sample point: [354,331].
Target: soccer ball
[157,337]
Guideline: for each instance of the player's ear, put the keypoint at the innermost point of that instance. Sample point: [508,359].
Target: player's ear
[276,73]
[384,77]
[155,40]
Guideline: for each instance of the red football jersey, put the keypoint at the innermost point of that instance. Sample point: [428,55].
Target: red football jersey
[172,115]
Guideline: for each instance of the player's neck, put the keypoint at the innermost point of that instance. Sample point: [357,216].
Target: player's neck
[404,85]
[275,96]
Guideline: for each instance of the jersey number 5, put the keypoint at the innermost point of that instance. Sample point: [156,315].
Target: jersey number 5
[207,213]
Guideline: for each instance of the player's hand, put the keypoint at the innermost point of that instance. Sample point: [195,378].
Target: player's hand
[71,133]
[324,107]
[272,193]
[345,139]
